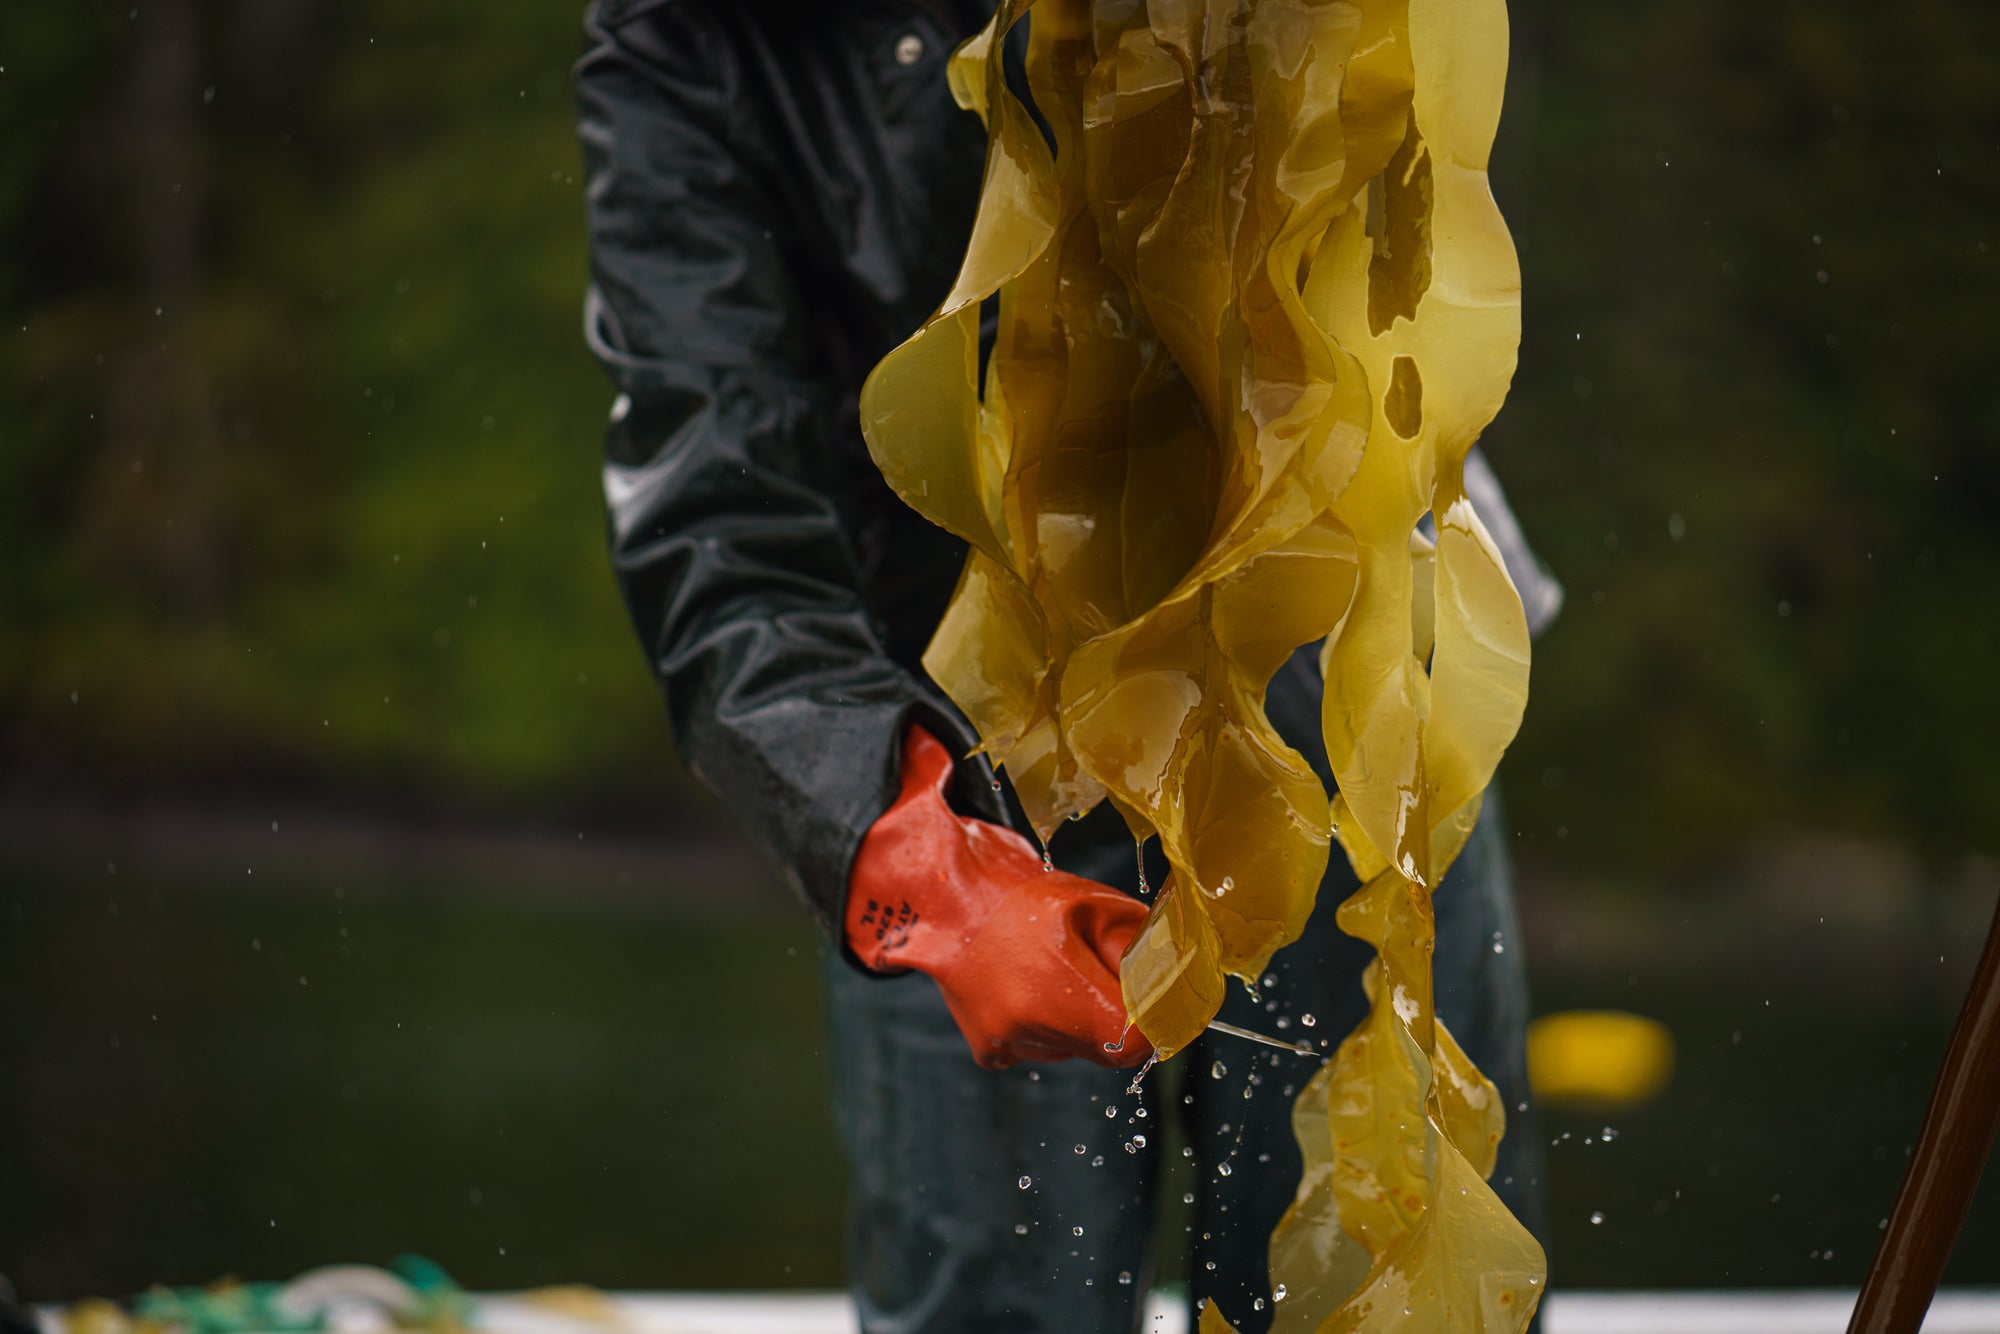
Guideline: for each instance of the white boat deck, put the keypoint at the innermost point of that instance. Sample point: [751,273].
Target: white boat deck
[1794,1311]
[584,1311]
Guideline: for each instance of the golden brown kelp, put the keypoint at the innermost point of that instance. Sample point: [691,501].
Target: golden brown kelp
[1254,308]
[1395,1226]
[1146,480]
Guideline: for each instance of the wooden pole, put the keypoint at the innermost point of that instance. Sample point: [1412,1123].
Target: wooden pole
[1951,1152]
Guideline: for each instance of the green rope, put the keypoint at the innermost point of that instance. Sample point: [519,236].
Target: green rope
[260,1308]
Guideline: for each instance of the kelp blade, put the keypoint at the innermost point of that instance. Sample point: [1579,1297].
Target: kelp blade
[1255,305]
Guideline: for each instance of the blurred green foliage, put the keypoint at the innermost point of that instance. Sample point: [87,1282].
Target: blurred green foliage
[1752,428]
[332,514]
[298,476]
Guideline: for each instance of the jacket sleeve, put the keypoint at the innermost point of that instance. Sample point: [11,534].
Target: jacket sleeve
[726,518]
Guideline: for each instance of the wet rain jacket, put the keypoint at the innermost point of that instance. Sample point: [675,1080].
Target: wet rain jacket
[778,194]
[775,200]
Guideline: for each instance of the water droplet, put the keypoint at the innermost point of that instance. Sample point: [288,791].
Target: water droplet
[1228,883]
[1076,1232]
[1111,1112]
[1309,1020]
[1596,1216]
[1139,1140]
[1609,1134]
[1025,1182]
[1218,1070]
[1188,1198]
[1020,1229]
[1125,1277]
[1223,1169]
[1211,1266]
[1097,1160]
[1284,1021]
[1080,1151]
[1278,1293]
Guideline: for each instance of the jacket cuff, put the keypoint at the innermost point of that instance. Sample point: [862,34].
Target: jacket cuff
[971,792]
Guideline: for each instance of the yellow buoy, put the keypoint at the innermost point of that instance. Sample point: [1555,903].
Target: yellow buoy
[1598,1058]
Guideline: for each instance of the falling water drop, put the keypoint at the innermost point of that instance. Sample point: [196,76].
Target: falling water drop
[1025,1182]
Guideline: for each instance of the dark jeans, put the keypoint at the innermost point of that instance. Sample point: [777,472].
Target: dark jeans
[944,1237]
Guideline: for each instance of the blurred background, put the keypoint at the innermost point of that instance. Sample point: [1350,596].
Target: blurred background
[351,901]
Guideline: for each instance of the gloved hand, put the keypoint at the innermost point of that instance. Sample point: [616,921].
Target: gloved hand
[1027,958]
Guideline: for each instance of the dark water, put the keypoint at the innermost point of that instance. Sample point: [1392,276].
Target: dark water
[204,1078]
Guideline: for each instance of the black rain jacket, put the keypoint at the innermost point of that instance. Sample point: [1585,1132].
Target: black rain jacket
[778,194]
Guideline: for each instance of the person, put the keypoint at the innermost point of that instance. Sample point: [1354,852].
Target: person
[777,195]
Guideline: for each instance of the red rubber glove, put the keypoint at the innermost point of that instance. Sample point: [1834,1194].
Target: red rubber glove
[1027,958]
